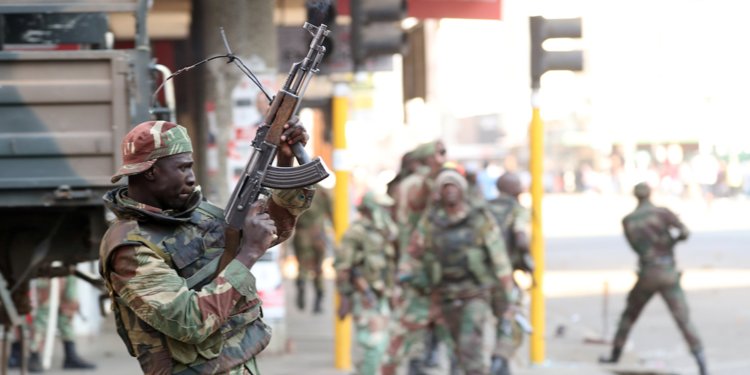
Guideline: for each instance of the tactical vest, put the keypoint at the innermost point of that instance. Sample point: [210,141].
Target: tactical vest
[462,265]
[186,247]
[376,259]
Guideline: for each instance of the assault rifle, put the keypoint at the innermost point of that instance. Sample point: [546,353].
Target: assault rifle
[259,175]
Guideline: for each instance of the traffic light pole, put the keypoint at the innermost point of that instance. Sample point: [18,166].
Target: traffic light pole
[340,110]
[536,167]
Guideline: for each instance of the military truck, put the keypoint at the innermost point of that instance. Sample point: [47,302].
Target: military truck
[66,101]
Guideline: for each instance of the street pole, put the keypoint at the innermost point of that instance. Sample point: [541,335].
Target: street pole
[342,328]
[536,167]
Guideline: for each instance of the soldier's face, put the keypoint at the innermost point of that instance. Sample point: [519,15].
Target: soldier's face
[174,180]
[450,194]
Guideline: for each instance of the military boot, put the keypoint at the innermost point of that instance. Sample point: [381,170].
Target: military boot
[72,360]
[301,294]
[35,363]
[499,366]
[318,308]
[613,358]
[415,367]
[431,350]
[701,359]
[15,357]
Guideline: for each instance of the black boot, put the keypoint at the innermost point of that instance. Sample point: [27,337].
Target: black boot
[499,366]
[613,358]
[14,359]
[35,363]
[318,308]
[301,294]
[431,352]
[701,359]
[72,360]
[415,367]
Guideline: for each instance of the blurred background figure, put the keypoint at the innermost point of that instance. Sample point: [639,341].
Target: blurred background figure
[40,317]
[365,266]
[648,230]
[513,220]
[311,242]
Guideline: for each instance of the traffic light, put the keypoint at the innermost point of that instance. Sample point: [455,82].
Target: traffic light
[543,60]
[376,28]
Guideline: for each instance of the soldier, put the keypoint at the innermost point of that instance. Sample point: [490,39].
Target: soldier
[648,231]
[513,220]
[166,232]
[365,272]
[415,313]
[311,240]
[464,258]
[67,310]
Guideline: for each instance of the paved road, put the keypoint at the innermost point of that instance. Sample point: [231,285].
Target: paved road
[584,249]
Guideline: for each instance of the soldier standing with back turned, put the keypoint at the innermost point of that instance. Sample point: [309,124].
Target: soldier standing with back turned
[648,231]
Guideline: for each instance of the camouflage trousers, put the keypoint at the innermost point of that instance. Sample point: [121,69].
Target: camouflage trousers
[409,329]
[66,311]
[371,323]
[310,254]
[465,319]
[665,281]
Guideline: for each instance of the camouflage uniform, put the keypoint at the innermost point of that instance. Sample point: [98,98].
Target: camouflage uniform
[367,254]
[149,256]
[647,231]
[510,217]
[414,312]
[464,257]
[67,310]
[172,329]
[311,240]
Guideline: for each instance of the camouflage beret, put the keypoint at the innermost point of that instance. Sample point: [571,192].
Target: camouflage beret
[148,142]
[424,150]
[374,201]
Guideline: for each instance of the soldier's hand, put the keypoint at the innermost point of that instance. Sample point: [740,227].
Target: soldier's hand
[293,133]
[345,306]
[258,233]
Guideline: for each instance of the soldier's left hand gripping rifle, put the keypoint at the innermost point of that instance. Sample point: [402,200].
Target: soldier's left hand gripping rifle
[259,174]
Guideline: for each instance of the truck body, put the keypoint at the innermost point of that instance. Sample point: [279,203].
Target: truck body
[63,114]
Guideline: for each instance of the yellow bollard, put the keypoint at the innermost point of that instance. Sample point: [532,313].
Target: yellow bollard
[342,328]
[536,167]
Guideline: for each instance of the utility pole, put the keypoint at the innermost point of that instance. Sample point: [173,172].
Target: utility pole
[542,61]
[251,32]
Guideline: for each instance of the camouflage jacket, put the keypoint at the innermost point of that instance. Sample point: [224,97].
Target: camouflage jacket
[367,251]
[413,199]
[145,258]
[647,230]
[464,256]
[512,218]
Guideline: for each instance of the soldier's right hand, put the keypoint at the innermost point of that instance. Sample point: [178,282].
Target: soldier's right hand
[259,231]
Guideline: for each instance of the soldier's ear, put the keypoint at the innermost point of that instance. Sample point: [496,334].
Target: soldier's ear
[149,174]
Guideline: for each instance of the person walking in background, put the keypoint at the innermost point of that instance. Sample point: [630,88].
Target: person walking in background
[464,257]
[513,220]
[311,241]
[365,271]
[648,230]
[66,311]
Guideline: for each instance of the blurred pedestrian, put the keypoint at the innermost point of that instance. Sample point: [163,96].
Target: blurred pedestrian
[67,309]
[464,258]
[311,242]
[415,314]
[513,220]
[648,230]
[365,271]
